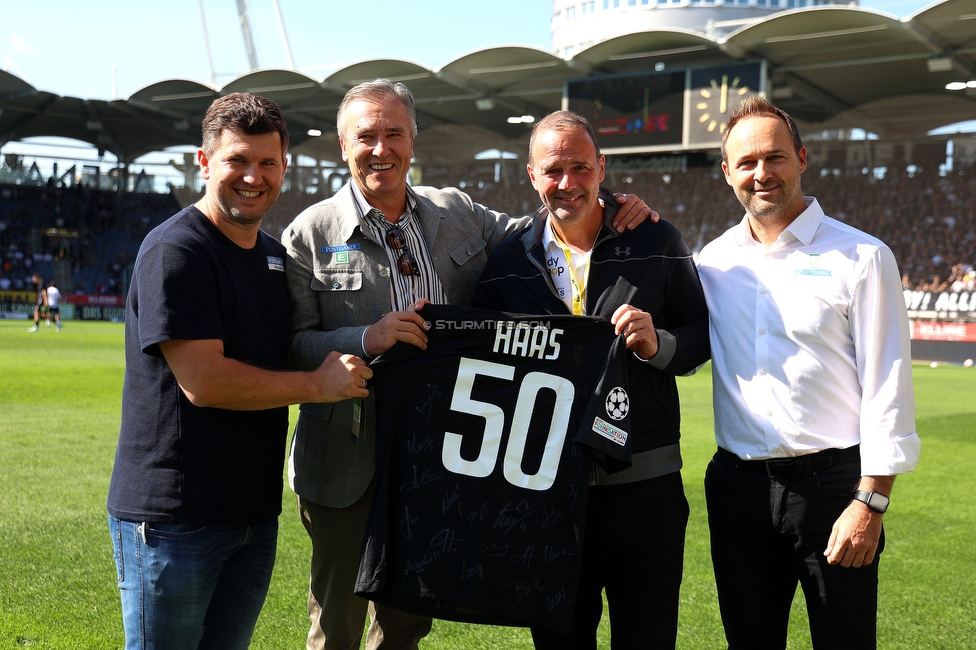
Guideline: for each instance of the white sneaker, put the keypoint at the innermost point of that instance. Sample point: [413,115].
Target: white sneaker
[48,324]
[33,329]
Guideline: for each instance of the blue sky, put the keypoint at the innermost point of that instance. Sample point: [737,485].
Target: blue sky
[72,48]
[112,48]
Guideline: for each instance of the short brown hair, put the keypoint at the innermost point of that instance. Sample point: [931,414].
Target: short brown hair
[374,91]
[758,106]
[563,121]
[245,113]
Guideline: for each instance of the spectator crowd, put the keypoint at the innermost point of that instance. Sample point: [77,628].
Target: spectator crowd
[928,219]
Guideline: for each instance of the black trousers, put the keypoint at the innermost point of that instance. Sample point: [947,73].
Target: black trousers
[767,535]
[633,548]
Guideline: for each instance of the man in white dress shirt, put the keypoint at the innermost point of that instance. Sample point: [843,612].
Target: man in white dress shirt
[814,410]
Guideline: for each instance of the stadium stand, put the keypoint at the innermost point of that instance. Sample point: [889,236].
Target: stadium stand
[86,239]
[83,239]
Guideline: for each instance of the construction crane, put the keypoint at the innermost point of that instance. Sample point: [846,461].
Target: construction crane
[252,54]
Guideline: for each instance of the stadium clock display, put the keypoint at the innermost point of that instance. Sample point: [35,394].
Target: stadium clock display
[715,93]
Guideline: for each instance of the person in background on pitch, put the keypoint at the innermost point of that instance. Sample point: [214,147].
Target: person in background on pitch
[40,302]
[196,487]
[360,264]
[812,390]
[570,260]
[53,296]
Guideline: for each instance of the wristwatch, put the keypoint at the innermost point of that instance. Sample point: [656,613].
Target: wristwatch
[874,500]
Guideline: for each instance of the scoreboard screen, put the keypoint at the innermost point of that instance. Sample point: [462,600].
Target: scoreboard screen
[651,110]
[644,110]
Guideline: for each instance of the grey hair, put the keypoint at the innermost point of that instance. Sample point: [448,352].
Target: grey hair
[374,91]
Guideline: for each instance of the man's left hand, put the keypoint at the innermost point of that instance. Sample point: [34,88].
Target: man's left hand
[854,537]
[632,212]
[638,329]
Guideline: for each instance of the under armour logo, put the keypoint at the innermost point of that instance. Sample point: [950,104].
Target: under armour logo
[625,251]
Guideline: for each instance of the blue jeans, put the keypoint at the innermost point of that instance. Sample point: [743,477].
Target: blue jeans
[767,536]
[186,586]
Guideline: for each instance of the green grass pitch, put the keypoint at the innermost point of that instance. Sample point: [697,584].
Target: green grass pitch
[59,416]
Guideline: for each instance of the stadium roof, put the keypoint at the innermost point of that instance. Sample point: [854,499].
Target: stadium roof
[831,67]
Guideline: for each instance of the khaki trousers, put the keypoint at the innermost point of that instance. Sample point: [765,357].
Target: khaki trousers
[338,616]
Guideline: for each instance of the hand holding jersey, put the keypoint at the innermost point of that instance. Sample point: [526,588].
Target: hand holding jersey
[638,329]
[357,262]
[479,510]
[196,485]
[405,326]
[571,261]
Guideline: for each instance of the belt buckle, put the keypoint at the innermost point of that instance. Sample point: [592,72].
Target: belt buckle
[772,464]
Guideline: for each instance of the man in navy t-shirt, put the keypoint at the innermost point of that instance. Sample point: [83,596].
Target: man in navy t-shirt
[196,486]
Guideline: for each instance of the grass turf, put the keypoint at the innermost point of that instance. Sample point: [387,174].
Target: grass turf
[59,415]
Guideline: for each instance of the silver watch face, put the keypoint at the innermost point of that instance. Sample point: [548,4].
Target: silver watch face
[878,502]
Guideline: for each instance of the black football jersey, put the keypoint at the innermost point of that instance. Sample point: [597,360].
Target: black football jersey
[485,442]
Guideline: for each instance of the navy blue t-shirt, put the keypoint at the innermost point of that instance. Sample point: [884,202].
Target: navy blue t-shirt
[177,462]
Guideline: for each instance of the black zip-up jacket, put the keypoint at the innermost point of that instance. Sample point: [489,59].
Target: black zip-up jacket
[650,268]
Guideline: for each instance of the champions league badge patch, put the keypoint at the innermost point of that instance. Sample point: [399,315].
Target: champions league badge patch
[618,404]
[276,263]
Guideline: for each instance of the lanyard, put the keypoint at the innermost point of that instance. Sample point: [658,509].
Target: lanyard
[578,284]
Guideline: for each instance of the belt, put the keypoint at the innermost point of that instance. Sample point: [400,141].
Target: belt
[795,468]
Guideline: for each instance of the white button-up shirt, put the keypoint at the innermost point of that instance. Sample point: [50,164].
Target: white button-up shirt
[810,344]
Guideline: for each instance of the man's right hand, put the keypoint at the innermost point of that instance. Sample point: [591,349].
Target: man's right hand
[407,326]
[341,376]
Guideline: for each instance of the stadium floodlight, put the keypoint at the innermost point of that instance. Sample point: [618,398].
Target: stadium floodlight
[314,133]
[971,83]
[956,85]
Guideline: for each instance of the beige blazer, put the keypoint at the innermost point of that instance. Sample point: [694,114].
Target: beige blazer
[338,281]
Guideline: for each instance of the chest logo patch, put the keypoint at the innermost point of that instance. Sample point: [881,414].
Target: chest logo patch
[821,273]
[341,248]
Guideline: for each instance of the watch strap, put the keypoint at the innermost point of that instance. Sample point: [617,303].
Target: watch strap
[876,501]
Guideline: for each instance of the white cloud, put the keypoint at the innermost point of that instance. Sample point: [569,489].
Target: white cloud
[22,46]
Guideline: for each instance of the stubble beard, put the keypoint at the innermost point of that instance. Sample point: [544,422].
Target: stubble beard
[766,212]
[252,217]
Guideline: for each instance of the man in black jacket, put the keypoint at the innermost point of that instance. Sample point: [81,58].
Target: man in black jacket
[570,260]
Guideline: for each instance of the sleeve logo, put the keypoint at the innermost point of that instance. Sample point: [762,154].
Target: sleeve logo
[617,404]
[607,430]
